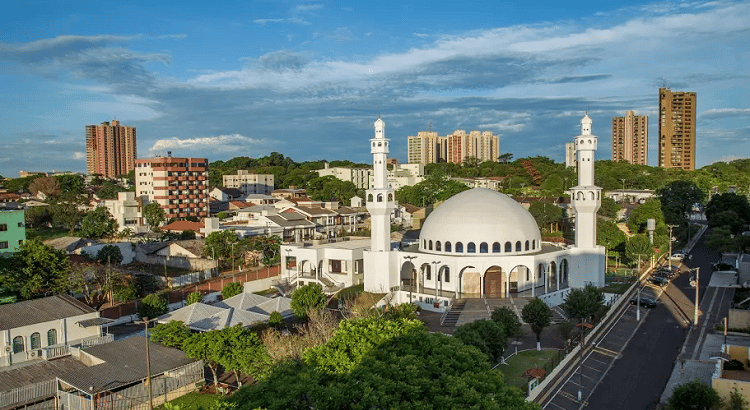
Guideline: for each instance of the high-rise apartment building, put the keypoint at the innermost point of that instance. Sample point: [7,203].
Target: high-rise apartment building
[110,149]
[484,146]
[570,154]
[250,183]
[426,148]
[178,185]
[677,112]
[630,138]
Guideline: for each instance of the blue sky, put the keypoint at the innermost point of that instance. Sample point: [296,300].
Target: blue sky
[308,79]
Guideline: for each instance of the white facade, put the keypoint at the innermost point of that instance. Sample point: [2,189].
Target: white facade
[250,183]
[127,211]
[360,177]
[570,154]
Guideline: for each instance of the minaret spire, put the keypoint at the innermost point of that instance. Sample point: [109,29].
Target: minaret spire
[380,198]
[586,197]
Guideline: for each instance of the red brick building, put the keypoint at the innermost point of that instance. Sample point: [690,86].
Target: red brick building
[178,185]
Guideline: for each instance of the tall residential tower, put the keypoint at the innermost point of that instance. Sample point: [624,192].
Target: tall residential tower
[630,138]
[110,149]
[677,129]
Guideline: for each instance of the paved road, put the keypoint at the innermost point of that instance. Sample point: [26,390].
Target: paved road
[638,380]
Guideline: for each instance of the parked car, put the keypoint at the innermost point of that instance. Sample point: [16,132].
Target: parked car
[659,280]
[679,255]
[644,301]
[721,266]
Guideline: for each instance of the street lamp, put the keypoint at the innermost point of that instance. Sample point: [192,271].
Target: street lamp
[583,325]
[669,257]
[145,321]
[413,274]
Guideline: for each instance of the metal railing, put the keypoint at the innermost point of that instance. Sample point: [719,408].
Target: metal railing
[94,341]
[28,394]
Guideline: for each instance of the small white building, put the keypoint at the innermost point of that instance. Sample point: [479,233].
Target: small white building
[127,210]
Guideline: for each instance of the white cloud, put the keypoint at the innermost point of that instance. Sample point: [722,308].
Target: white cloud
[307,7]
[220,143]
[263,22]
[725,112]
[79,155]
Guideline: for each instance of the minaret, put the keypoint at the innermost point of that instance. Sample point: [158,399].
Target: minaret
[585,197]
[380,201]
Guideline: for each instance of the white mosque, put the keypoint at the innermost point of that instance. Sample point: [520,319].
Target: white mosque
[479,243]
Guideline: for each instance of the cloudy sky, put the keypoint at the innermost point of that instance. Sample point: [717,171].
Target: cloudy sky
[223,79]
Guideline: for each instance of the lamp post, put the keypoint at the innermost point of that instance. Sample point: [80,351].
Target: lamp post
[437,277]
[145,321]
[697,288]
[413,274]
[669,257]
[583,325]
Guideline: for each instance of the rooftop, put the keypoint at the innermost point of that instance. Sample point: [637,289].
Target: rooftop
[30,312]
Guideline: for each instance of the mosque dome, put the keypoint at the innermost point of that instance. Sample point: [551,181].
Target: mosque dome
[480,221]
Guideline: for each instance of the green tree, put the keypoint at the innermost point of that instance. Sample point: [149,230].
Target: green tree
[49,186]
[638,246]
[609,207]
[205,346]
[728,219]
[70,183]
[538,315]
[307,297]
[436,187]
[677,200]
[242,350]
[171,334]
[152,306]
[275,319]
[609,235]
[231,289]
[721,240]
[728,202]
[582,304]
[330,188]
[508,320]
[552,185]
[38,216]
[486,335]
[35,269]
[67,211]
[218,244]
[505,158]
[736,401]
[268,246]
[546,215]
[154,215]
[194,297]
[638,216]
[694,395]
[353,340]
[109,254]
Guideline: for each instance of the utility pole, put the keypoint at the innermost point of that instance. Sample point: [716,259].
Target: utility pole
[669,257]
[145,321]
[697,288]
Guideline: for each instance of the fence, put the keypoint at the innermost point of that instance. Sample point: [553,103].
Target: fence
[28,394]
[190,278]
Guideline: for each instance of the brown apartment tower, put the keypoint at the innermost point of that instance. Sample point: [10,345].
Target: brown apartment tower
[110,149]
[630,138]
[677,129]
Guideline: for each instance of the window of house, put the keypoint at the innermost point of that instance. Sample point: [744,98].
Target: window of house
[20,224]
[430,245]
[471,248]
[3,244]
[496,247]
[428,273]
[508,247]
[51,337]
[335,265]
[291,262]
[483,247]
[18,344]
[448,247]
[437,246]
[36,341]
[459,247]
[518,246]
[447,274]
[3,227]
[527,245]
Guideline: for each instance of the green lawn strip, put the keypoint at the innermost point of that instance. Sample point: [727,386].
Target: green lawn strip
[194,401]
[519,363]
[47,233]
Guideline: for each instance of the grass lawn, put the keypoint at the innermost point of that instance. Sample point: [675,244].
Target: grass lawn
[617,288]
[47,233]
[194,401]
[523,361]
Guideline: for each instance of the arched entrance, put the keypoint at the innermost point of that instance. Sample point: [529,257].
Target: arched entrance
[409,276]
[470,283]
[520,278]
[564,274]
[494,282]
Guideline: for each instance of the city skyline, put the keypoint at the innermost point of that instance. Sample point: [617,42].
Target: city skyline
[307,78]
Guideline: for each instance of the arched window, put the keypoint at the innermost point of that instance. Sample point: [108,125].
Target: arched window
[428,274]
[51,337]
[390,197]
[527,275]
[448,247]
[496,247]
[380,197]
[471,248]
[18,344]
[447,274]
[35,341]
[430,245]
[424,243]
[437,246]
[533,244]
[508,247]
[369,198]
[527,245]
[592,195]
[483,247]
[380,144]
[518,246]
[459,247]
[539,270]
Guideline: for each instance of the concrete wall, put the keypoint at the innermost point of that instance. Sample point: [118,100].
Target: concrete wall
[126,248]
[739,318]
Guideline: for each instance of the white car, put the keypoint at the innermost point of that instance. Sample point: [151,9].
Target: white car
[679,255]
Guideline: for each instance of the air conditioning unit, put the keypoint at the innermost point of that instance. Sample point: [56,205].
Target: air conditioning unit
[32,354]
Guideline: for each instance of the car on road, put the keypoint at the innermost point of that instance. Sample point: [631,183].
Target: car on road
[644,301]
[667,271]
[659,280]
[679,255]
